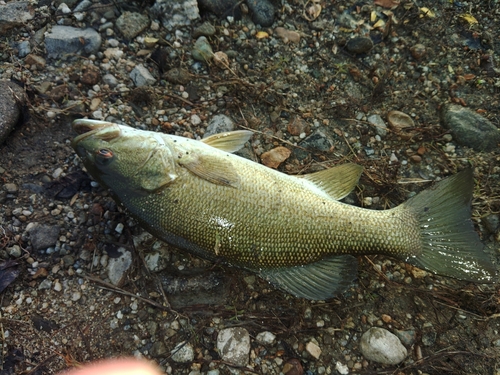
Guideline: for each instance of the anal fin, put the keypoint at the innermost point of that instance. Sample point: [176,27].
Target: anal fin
[320,280]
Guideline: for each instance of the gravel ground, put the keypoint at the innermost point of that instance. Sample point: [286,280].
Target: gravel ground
[318,87]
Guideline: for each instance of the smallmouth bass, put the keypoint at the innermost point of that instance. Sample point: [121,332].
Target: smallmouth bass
[290,230]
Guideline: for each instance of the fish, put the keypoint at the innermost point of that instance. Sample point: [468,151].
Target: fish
[292,231]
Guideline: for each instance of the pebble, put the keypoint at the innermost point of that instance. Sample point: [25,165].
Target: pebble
[381,346]
[118,267]
[10,188]
[57,286]
[298,126]
[24,48]
[131,24]
[418,51]
[379,124]
[399,121]
[469,128]
[110,80]
[175,14]
[14,251]
[178,75]
[158,349]
[313,349]
[359,44]
[205,29]
[35,60]
[287,35]
[202,50]
[233,345]
[265,338]
[316,142]
[273,158]
[42,236]
[183,353]
[219,124]
[262,12]
[141,76]
[64,41]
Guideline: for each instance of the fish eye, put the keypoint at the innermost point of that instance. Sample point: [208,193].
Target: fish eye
[104,156]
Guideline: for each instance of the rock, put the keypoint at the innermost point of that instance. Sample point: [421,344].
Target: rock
[298,126]
[24,48]
[118,267]
[293,367]
[418,51]
[63,41]
[262,12]
[380,345]
[175,13]
[158,349]
[202,50]
[42,236]
[313,349]
[141,76]
[131,24]
[491,222]
[14,14]
[35,60]
[469,128]
[178,75]
[316,142]
[219,124]
[379,124]
[10,188]
[223,8]
[399,121]
[233,345]
[359,44]
[265,338]
[110,80]
[406,337]
[221,60]
[205,29]
[273,158]
[287,35]
[183,353]
[90,75]
[12,99]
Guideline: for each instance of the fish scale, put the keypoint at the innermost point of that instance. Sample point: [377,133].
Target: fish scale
[291,230]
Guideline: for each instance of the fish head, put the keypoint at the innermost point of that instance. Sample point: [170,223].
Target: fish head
[122,158]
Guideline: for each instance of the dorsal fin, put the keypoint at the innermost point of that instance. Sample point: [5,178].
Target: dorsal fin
[229,141]
[338,181]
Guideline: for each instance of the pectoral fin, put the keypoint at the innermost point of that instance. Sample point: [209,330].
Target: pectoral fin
[338,181]
[320,280]
[213,169]
[229,141]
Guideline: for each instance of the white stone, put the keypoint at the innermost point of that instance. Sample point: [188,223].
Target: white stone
[313,349]
[265,338]
[183,353]
[233,345]
[380,345]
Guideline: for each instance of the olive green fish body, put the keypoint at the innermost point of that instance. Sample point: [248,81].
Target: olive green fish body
[291,230]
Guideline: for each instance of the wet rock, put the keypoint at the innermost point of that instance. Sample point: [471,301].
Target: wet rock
[176,13]
[359,44]
[42,236]
[178,75]
[202,50]
[469,128]
[14,14]
[223,8]
[64,41]
[265,338]
[183,353]
[141,76]
[287,35]
[379,124]
[380,345]
[219,124]
[118,267]
[12,99]
[233,345]
[273,158]
[205,29]
[131,24]
[262,12]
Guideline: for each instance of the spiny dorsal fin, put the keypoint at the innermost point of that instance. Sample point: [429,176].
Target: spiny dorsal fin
[338,181]
[229,141]
[214,169]
[320,280]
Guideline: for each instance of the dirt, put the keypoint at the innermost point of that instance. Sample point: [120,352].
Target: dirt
[452,326]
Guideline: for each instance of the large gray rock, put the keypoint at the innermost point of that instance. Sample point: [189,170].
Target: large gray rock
[12,99]
[233,345]
[15,14]
[469,128]
[64,41]
[380,345]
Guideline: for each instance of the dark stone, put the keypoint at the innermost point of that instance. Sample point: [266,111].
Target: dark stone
[43,236]
[359,44]
[262,12]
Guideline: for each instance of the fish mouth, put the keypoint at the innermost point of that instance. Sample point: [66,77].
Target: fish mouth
[94,128]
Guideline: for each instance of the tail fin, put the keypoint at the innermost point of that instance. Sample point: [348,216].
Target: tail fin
[450,245]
